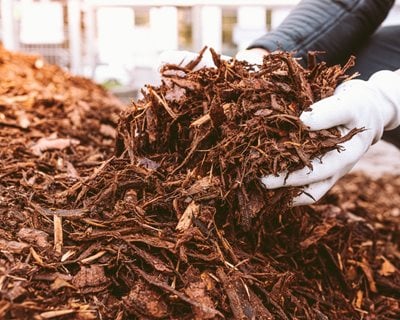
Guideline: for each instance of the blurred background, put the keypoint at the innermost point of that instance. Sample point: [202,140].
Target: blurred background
[117,43]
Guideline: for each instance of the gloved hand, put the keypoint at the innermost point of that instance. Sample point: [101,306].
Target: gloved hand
[372,104]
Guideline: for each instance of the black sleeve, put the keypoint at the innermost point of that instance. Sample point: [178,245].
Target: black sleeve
[337,27]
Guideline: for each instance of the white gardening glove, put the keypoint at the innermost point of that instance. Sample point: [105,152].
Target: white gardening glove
[372,104]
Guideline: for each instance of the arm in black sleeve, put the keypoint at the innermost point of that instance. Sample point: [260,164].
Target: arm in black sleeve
[337,27]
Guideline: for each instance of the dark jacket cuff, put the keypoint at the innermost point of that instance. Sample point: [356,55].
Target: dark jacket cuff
[337,27]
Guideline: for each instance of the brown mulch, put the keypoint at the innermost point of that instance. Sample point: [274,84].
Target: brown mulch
[173,223]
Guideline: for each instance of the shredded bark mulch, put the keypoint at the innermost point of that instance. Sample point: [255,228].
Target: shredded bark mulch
[160,213]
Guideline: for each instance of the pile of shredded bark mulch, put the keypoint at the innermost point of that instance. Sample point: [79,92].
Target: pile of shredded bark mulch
[54,130]
[176,224]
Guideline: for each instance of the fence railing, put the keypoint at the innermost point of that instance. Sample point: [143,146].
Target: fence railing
[85,47]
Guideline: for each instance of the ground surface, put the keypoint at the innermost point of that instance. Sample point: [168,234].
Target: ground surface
[381,158]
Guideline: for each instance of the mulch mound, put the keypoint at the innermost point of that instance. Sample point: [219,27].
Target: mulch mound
[163,216]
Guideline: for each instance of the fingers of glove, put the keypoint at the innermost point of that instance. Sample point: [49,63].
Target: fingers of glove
[253,56]
[182,58]
[314,192]
[330,112]
[333,163]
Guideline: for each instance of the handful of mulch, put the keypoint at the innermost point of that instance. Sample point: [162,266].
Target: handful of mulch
[209,135]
